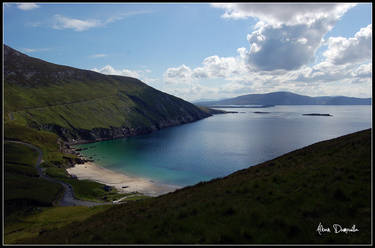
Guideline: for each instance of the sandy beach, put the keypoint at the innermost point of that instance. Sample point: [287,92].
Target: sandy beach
[123,183]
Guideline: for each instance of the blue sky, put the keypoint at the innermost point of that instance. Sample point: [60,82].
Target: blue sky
[201,50]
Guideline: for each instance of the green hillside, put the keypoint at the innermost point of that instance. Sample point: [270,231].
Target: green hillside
[281,201]
[23,189]
[49,105]
[85,105]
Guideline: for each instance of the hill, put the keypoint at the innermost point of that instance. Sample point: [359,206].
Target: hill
[82,105]
[281,201]
[287,98]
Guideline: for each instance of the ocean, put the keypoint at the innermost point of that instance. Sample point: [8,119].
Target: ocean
[221,144]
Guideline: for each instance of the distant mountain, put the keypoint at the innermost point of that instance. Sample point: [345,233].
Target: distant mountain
[82,105]
[287,98]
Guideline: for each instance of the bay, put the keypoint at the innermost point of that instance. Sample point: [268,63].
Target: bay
[221,144]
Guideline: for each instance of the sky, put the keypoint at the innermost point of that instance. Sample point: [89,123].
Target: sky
[201,51]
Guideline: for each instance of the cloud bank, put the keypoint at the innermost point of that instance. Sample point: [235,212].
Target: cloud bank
[346,62]
[287,35]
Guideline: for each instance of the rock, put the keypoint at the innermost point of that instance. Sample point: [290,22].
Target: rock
[107,188]
[79,161]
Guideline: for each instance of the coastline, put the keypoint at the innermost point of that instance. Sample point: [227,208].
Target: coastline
[122,182]
[85,169]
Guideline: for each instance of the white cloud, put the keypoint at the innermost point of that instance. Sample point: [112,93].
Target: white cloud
[181,74]
[191,92]
[287,35]
[319,79]
[285,47]
[109,70]
[363,71]
[62,22]
[27,6]
[282,47]
[302,40]
[139,74]
[355,49]
[219,67]
[284,13]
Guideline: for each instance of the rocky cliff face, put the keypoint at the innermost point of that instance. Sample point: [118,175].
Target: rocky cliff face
[85,106]
[80,136]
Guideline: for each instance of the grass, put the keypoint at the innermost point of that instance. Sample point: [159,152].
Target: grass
[48,106]
[84,189]
[28,198]
[20,154]
[20,159]
[48,142]
[53,171]
[54,165]
[81,104]
[92,191]
[45,219]
[280,201]
[23,189]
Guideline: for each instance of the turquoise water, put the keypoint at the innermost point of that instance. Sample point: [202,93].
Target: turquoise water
[221,144]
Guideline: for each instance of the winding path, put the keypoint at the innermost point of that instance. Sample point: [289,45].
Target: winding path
[10,115]
[68,198]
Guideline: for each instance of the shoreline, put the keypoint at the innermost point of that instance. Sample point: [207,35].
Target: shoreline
[122,182]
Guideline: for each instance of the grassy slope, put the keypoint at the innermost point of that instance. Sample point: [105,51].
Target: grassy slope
[46,141]
[114,109]
[23,190]
[279,201]
[83,189]
[55,163]
[28,198]
[49,96]
[45,219]
[42,95]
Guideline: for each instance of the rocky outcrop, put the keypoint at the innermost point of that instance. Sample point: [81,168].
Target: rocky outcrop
[80,136]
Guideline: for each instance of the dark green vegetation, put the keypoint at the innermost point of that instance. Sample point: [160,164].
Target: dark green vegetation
[49,105]
[55,164]
[82,105]
[92,191]
[23,189]
[279,201]
[44,218]
[288,98]
[29,200]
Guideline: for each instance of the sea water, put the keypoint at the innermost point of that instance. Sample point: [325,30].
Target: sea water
[219,145]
